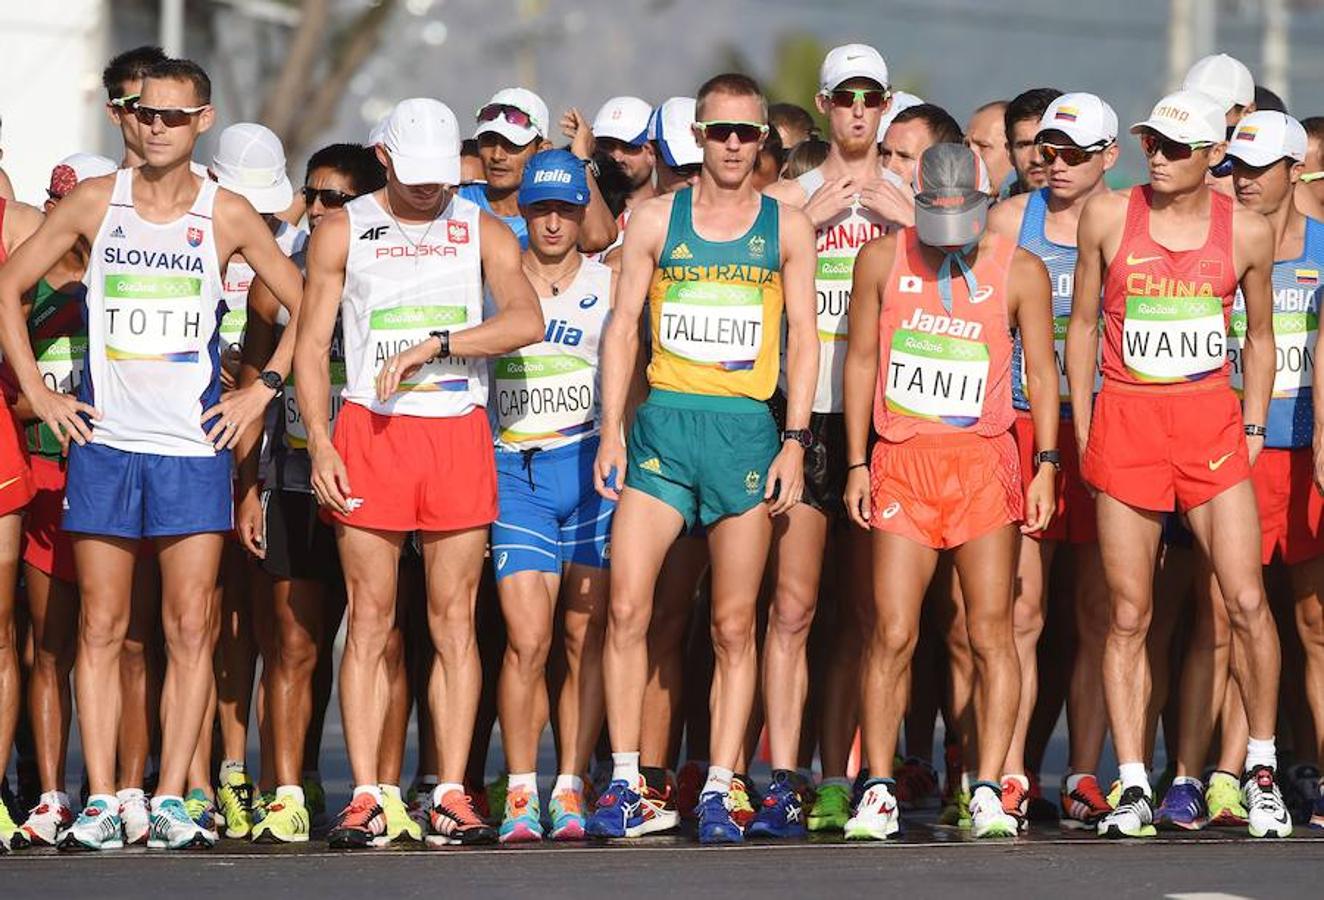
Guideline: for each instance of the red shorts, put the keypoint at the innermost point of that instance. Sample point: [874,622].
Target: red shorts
[46,546]
[16,487]
[1153,447]
[410,473]
[1073,519]
[1291,508]
[945,490]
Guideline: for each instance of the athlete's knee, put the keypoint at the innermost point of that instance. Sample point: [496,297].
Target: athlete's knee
[103,630]
[527,648]
[451,624]
[1027,617]
[628,620]
[368,626]
[894,639]
[1248,607]
[733,633]
[189,629]
[1129,617]
[1310,624]
[792,614]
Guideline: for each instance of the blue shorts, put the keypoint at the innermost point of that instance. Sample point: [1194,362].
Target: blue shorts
[550,515]
[142,495]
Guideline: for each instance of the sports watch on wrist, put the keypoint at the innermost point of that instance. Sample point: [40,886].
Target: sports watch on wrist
[273,381]
[1052,457]
[802,436]
[443,343]
[1255,431]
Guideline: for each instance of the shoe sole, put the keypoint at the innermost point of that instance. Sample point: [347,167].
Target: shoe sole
[664,821]
[727,838]
[1114,833]
[1078,824]
[834,824]
[70,844]
[1278,831]
[1172,825]
[760,829]
[520,834]
[860,833]
[197,842]
[270,837]
[995,832]
[465,839]
[239,834]
[352,841]
[575,831]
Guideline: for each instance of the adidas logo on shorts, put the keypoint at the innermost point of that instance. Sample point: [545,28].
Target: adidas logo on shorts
[681,251]
[653,465]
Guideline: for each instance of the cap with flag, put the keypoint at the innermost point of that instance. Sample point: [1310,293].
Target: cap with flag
[77,167]
[422,137]
[1264,137]
[624,119]
[1085,119]
[951,205]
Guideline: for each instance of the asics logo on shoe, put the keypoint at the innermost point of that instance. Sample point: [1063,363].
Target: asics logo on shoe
[1216,464]
[1133,260]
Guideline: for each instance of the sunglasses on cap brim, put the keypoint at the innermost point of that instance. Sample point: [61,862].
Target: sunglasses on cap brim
[513,114]
[721,131]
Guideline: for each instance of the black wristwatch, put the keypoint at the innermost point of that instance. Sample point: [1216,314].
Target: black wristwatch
[802,436]
[443,343]
[1052,457]
[1255,431]
[273,381]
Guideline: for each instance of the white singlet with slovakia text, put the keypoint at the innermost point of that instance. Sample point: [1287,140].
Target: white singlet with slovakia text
[402,282]
[154,307]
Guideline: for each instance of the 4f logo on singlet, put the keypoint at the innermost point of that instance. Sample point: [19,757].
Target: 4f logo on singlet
[373,234]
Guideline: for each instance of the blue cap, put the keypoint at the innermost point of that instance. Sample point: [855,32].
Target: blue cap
[554,175]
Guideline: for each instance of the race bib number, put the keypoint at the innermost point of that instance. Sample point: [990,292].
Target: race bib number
[1294,336]
[833,287]
[394,330]
[713,323]
[1168,339]
[60,361]
[153,317]
[542,398]
[936,377]
[296,432]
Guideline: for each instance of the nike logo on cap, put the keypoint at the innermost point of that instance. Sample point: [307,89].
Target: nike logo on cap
[1133,260]
[1215,465]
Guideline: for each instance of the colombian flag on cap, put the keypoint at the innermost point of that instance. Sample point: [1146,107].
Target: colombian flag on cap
[1066,114]
[1246,133]
[1308,277]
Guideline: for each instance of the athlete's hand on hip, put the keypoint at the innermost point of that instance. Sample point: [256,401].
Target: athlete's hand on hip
[786,479]
[63,414]
[858,497]
[1040,500]
[576,127]
[250,524]
[831,200]
[236,410]
[609,468]
[329,480]
[895,203]
[401,366]
[1253,447]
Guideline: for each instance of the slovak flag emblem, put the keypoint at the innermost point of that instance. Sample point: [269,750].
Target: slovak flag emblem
[457,232]
[194,237]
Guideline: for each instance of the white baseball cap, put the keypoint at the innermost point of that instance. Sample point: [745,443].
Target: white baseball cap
[1084,118]
[1224,78]
[851,61]
[75,168]
[250,161]
[673,130]
[422,137]
[1262,138]
[623,119]
[524,100]
[901,101]
[1189,117]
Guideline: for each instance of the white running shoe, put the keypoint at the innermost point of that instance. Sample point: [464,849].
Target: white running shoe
[47,822]
[875,818]
[1132,816]
[173,829]
[987,817]
[135,815]
[97,827]
[1264,804]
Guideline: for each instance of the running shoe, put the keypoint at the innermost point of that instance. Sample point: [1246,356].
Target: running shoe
[859,786]
[399,824]
[1115,793]
[689,783]
[262,800]
[234,799]
[1301,790]
[1015,800]
[1183,808]
[1267,814]
[988,819]
[917,784]
[522,821]
[956,814]
[455,821]
[361,824]
[287,821]
[831,808]
[717,824]
[202,810]
[1132,817]
[617,814]
[1083,807]
[135,814]
[781,814]
[658,809]
[875,818]
[1317,812]
[1224,802]
[418,801]
[11,836]
[174,829]
[1040,809]
[97,827]
[478,797]
[566,809]
[738,798]
[314,796]
[46,822]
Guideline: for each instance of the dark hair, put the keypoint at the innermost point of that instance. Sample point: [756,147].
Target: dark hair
[772,146]
[613,183]
[183,70]
[1029,104]
[1267,99]
[733,84]
[942,127]
[792,116]
[129,66]
[469,147]
[360,163]
[1314,126]
[804,156]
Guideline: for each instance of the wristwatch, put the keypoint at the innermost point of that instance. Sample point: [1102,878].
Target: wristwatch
[1052,457]
[273,381]
[443,342]
[802,436]
[1256,431]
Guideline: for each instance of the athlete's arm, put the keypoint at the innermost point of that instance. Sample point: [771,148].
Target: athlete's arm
[786,475]
[599,229]
[860,375]
[1030,306]
[1005,218]
[259,342]
[1082,346]
[620,339]
[328,250]
[1253,246]
[78,215]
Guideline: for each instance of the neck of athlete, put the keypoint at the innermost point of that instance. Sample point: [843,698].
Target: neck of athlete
[1068,211]
[1192,202]
[861,164]
[1288,228]
[552,267]
[403,209]
[172,182]
[716,194]
[503,202]
[645,191]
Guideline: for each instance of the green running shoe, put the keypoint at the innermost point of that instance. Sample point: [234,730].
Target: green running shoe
[201,810]
[10,835]
[235,799]
[399,825]
[286,822]
[495,792]
[956,814]
[1223,797]
[831,808]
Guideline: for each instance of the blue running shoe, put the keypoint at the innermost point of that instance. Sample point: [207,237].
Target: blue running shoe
[1183,808]
[618,813]
[715,823]
[781,814]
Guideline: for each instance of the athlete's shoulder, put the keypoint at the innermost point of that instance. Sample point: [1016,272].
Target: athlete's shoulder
[1247,224]
[1106,208]
[330,240]
[1027,264]
[877,254]
[788,192]
[795,221]
[651,215]
[1006,215]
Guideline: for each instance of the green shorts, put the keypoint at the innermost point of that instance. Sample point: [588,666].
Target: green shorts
[706,457]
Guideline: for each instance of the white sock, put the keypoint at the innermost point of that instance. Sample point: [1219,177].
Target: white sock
[293,791]
[160,799]
[1261,753]
[55,798]
[443,789]
[1134,775]
[719,780]
[568,783]
[625,767]
[390,790]
[371,790]
[1186,779]
[834,781]
[526,780]
[1075,778]
[231,766]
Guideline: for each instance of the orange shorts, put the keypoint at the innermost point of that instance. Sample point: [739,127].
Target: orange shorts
[46,545]
[1073,519]
[945,490]
[410,473]
[1157,448]
[1291,508]
[16,487]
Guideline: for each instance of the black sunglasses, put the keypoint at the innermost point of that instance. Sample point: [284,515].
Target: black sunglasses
[331,198]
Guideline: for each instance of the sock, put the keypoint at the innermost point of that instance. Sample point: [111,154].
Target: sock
[443,789]
[625,767]
[1261,753]
[1022,780]
[112,801]
[57,798]
[230,767]
[391,790]
[160,799]
[371,790]
[293,791]
[1134,775]
[655,777]
[965,782]
[1186,779]
[719,780]
[527,780]
[834,782]
[568,783]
